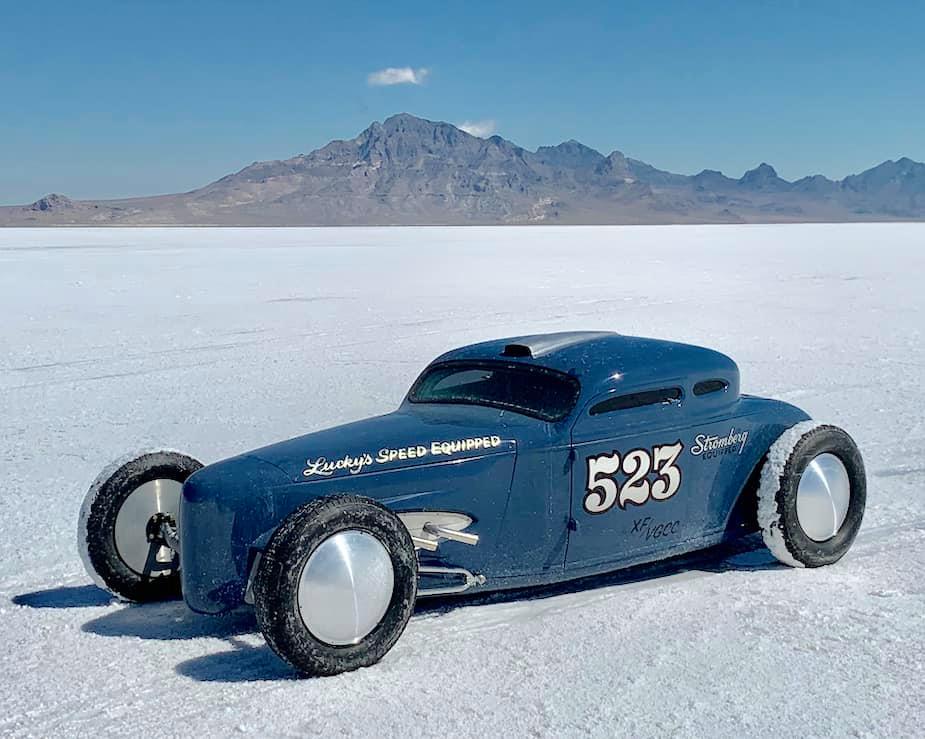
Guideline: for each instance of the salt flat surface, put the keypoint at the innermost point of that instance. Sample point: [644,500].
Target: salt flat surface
[218,340]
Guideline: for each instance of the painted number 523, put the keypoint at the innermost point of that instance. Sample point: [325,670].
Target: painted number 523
[603,491]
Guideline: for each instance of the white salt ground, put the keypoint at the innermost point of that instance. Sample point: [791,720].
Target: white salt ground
[218,340]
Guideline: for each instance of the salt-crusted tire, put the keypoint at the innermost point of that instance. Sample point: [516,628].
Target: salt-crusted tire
[118,530]
[336,585]
[811,496]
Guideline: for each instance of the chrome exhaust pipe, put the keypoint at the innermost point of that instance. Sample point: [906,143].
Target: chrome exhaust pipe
[443,532]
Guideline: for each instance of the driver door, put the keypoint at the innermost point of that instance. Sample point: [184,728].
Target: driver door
[631,486]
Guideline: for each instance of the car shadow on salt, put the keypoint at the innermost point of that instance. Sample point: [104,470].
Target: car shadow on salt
[169,622]
[243,664]
[748,554]
[68,596]
[251,662]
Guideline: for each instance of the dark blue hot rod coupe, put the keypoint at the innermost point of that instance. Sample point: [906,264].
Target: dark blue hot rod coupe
[510,463]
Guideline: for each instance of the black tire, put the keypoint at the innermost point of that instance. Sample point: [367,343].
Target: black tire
[777,495]
[276,585]
[97,528]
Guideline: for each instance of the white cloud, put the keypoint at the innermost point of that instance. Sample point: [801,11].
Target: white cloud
[482,129]
[398,76]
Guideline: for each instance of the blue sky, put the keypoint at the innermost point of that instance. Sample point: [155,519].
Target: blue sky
[109,99]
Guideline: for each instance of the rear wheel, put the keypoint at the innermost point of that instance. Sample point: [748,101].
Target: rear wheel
[812,495]
[121,523]
[336,585]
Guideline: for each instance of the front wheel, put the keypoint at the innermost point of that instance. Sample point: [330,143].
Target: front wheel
[812,495]
[119,534]
[336,585]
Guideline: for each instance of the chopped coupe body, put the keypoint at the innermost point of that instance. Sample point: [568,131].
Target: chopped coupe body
[510,463]
[523,480]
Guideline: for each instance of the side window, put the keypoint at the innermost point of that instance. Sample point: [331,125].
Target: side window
[462,379]
[704,387]
[636,400]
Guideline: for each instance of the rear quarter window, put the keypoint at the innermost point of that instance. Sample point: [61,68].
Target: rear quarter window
[661,396]
[715,385]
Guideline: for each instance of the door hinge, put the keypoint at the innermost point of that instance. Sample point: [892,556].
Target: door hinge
[572,525]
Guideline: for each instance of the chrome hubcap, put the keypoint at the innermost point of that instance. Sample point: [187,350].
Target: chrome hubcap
[142,505]
[346,587]
[823,497]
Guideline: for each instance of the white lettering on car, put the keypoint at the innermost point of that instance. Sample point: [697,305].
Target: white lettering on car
[359,462]
[603,491]
[707,445]
[323,467]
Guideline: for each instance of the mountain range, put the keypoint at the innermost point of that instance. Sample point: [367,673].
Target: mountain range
[410,171]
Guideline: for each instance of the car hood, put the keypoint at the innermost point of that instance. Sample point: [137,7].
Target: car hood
[393,441]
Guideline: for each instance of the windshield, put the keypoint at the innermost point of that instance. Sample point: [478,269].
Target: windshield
[532,391]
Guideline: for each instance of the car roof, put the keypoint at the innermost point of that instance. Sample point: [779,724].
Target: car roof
[603,359]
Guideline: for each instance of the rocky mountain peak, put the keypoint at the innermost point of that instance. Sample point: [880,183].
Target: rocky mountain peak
[904,175]
[405,140]
[763,177]
[762,172]
[616,165]
[52,201]
[712,179]
[569,153]
[816,183]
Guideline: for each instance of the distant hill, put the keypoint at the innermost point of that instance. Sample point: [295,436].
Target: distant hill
[407,170]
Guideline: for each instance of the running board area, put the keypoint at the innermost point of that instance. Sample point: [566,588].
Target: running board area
[463,580]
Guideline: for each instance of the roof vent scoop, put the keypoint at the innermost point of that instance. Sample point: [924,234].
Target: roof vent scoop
[540,345]
[517,350]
